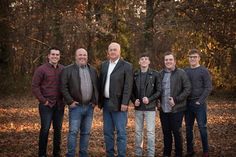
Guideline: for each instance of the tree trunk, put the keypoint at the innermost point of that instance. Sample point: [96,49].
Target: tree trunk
[148,32]
[5,49]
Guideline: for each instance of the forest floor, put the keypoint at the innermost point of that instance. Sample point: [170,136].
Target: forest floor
[19,127]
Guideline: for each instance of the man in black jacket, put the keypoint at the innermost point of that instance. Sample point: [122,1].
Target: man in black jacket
[175,89]
[80,90]
[146,90]
[115,91]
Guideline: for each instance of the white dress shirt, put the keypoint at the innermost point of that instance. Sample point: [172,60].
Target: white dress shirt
[107,84]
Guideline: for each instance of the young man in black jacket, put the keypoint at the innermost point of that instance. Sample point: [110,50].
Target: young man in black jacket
[146,90]
[175,89]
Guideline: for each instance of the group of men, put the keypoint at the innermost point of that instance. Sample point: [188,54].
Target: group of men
[175,92]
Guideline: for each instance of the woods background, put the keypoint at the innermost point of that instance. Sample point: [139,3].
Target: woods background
[29,27]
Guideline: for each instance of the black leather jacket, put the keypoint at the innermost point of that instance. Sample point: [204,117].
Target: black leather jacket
[180,88]
[70,84]
[152,87]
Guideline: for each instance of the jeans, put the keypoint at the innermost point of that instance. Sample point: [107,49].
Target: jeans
[150,118]
[172,123]
[114,121]
[80,120]
[50,115]
[198,112]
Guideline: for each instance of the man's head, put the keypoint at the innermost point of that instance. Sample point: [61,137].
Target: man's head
[144,60]
[194,58]
[81,56]
[170,61]
[114,51]
[53,55]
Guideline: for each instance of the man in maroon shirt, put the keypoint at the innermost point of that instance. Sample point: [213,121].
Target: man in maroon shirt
[45,87]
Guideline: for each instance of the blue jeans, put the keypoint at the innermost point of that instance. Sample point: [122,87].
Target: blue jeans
[172,123]
[150,118]
[50,115]
[80,120]
[114,121]
[198,112]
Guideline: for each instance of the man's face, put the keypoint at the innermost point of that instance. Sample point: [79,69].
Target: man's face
[169,62]
[113,52]
[81,57]
[54,56]
[194,59]
[144,62]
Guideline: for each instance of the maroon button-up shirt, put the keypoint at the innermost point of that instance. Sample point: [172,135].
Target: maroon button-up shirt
[46,84]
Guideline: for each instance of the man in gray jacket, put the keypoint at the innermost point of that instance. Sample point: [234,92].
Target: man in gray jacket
[175,89]
[116,87]
[80,90]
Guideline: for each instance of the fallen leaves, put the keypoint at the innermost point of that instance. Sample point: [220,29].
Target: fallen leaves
[20,126]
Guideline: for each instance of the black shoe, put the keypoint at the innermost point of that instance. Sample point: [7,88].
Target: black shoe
[192,154]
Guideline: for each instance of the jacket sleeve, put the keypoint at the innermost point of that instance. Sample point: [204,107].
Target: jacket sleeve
[65,86]
[97,87]
[157,87]
[128,84]
[133,95]
[36,82]
[186,88]
[207,86]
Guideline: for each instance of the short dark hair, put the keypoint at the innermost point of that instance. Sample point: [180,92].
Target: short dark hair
[145,54]
[53,48]
[170,53]
[194,51]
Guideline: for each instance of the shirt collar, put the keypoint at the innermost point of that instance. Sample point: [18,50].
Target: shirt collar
[115,62]
[50,65]
[82,66]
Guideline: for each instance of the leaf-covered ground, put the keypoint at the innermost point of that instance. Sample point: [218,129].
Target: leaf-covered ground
[20,125]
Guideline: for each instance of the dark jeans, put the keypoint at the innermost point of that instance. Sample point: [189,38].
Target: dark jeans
[114,121]
[198,112]
[49,115]
[172,123]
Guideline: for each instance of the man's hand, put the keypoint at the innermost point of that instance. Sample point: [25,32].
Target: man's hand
[73,104]
[158,107]
[198,103]
[137,102]
[171,102]
[124,107]
[145,100]
[46,103]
